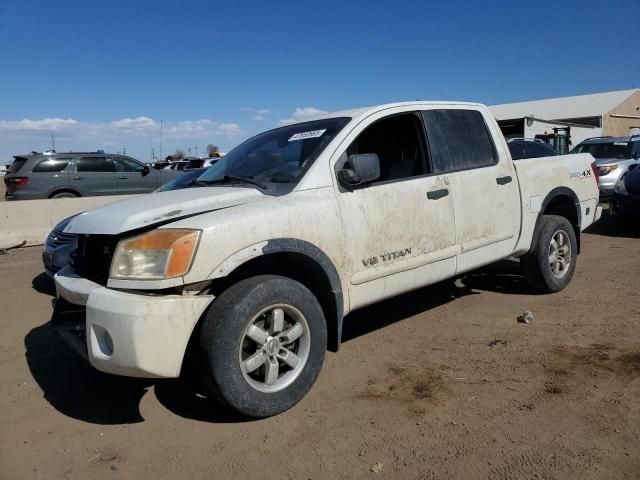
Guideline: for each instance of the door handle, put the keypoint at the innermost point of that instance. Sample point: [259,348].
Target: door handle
[122,178]
[503,180]
[77,178]
[436,194]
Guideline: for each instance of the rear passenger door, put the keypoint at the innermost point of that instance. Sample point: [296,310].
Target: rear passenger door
[95,175]
[482,181]
[134,177]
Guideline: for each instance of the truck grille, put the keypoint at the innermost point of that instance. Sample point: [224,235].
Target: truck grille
[92,258]
[57,239]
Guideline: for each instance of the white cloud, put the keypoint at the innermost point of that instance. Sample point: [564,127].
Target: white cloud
[46,124]
[138,123]
[137,134]
[258,112]
[229,129]
[257,117]
[301,115]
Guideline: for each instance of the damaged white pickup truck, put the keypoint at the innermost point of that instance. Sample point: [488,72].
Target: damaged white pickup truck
[248,277]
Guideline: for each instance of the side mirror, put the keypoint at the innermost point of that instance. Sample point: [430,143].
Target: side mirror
[359,169]
[146,171]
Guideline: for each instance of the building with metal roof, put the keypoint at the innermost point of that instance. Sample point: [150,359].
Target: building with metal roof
[599,114]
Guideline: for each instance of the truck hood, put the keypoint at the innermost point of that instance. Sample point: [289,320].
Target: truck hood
[146,210]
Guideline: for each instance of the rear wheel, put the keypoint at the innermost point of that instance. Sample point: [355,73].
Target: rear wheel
[550,265]
[263,343]
[64,195]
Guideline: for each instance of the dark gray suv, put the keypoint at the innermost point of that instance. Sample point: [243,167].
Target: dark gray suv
[80,174]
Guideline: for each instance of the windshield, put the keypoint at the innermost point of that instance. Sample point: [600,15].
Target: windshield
[275,160]
[605,149]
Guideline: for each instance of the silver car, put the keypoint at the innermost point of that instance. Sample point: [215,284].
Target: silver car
[613,156]
[80,174]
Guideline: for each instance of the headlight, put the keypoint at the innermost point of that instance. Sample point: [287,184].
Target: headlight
[156,255]
[620,188]
[606,169]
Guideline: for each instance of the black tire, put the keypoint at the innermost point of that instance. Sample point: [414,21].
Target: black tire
[223,342]
[64,195]
[536,264]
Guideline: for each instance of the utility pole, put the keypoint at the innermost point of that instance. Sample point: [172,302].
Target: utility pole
[53,141]
[124,150]
[160,139]
[197,150]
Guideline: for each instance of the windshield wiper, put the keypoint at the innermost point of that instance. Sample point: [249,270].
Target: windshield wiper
[228,178]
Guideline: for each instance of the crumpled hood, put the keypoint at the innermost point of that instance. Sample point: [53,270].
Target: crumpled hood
[145,210]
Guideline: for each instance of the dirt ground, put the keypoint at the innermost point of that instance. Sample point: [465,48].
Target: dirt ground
[439,383]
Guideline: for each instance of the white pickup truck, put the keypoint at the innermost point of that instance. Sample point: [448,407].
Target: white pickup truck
[249,276]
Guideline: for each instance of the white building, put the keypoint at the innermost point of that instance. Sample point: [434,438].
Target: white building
[599,114]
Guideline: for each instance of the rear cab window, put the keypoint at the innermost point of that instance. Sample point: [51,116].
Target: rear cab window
[458,140]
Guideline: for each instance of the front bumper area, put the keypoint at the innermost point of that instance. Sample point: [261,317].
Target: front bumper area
[129,334]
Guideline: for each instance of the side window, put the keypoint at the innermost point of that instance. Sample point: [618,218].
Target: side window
[95,164]
[458,140]
[52,165]
[125,164]
[399,143]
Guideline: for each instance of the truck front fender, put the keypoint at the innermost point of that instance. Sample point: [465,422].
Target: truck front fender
[303,262]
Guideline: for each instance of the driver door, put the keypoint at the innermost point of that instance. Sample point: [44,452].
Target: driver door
[134,177]
[399,229]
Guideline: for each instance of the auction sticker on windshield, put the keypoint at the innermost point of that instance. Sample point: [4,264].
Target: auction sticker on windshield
[305,135]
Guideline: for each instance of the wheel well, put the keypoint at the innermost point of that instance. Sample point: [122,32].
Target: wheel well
[64,190]
[300,268]
[565,206]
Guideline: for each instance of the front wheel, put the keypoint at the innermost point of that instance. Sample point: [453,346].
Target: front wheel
[263,343]
[550,265]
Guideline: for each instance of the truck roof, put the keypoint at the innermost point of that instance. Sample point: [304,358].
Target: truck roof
[365,111]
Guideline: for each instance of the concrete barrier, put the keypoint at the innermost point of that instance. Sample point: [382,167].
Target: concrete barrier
[32,220]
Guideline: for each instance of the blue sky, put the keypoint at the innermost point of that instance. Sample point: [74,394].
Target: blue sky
[103,74]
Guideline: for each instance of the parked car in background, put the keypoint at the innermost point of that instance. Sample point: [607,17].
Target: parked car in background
[177,165]
[626,194]
[200,163]
[80,174]
[613,157]
[3,170]
[160,165]
[529,148]
[186,180]
[59,245]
